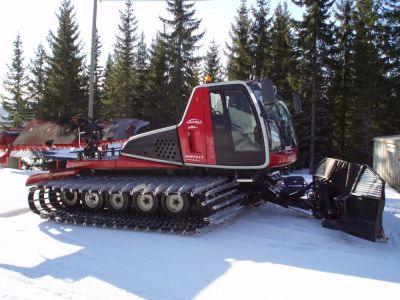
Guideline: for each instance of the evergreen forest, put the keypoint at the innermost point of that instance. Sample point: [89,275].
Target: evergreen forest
[342,57]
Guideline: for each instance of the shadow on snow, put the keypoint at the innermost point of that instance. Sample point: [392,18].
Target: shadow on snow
[153,265]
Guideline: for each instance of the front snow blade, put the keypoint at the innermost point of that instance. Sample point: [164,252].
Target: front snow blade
[350,197]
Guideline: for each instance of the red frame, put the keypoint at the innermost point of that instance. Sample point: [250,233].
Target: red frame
[195,130]
[121,163]
[36,178]
[283,158]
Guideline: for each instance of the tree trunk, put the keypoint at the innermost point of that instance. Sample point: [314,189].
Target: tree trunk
[312,128]
[313,103]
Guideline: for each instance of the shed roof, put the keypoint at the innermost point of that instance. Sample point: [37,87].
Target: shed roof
[388,138]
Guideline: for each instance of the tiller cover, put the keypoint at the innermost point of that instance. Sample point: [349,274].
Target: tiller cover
[351,198]
[54,138]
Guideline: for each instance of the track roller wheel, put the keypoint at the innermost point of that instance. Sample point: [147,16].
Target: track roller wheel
[69,198]
[93,200]
[118,202]
[174,204]
[53,198]
[145,203]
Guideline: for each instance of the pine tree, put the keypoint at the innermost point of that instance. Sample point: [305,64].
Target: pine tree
[15,102]
[124,96]
[141,64]
[158,84]
[239,65]
[182,39]
[260,38]
[212,64]
[314,39]
[66,85]
[37,81]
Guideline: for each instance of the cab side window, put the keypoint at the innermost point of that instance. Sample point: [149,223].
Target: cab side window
[274,124]
[243,123]
[217,110]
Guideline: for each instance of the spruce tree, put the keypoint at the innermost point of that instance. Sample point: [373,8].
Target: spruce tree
[182,39]
[390,22]
[315,40]
[260,38]
[239,65]
[141,64]
[158,83]
[98,78]
[369,107]
[124,96]
[108,108]
[340,90]
[67,82]
[15,101]
[212,64]
[37,81]
[281,49]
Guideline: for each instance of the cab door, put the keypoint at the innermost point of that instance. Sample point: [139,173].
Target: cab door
[238,138]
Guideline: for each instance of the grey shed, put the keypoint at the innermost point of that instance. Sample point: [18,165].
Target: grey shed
[387,159]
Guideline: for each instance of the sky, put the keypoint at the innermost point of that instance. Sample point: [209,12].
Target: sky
[33,20]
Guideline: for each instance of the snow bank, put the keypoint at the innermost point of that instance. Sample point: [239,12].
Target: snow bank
[266,253]
[13,193]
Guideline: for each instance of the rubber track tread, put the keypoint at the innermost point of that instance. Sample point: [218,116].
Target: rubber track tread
[45,200]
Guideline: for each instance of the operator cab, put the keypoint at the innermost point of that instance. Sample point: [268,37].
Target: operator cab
[226,125]
[251,127]
[237,131]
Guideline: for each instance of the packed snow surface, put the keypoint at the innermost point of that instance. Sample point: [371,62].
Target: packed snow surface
[266,252]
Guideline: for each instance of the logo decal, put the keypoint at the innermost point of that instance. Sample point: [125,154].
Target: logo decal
[194,122]
[194,157]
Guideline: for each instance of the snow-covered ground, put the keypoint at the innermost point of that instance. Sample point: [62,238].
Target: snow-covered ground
[265,253]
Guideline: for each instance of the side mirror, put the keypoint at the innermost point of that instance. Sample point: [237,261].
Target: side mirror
[296,103]
[267,88]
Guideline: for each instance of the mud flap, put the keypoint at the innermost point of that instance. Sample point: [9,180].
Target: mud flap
[350,197]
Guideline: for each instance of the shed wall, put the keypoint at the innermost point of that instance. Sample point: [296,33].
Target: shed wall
[387,159]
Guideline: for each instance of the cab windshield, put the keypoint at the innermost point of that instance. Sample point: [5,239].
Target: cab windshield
[278,121]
